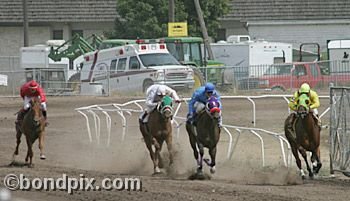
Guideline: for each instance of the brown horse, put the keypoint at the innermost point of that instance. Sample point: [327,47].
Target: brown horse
[157,130]
[306,136]
[33,127]
[206,134]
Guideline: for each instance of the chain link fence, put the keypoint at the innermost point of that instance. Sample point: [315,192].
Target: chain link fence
[340,130]
[275,78]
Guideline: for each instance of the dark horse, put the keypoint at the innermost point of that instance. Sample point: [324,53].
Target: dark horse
[158,130]
[33,127]
[306,136]
[206,133]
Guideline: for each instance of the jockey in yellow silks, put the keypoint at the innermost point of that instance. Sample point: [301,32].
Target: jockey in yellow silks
[314,102]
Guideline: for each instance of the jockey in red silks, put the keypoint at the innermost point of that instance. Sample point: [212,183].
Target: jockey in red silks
[28,90]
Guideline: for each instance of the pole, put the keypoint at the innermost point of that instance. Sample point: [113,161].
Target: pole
[25,23]
[171,11]
[204,29]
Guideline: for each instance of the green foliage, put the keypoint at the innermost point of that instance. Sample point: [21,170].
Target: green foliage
[149,18]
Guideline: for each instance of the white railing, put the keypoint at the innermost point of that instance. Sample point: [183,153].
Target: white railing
[126,109]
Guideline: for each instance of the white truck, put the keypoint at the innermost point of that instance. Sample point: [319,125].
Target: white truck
[248,54]
[52,75]
[132,67]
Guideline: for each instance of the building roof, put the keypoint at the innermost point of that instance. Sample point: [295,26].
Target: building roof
[11,11]
[257,10]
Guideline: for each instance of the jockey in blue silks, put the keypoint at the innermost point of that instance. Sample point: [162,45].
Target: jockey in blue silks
[199,99]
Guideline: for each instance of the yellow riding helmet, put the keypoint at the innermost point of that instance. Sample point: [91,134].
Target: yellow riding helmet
[304,88]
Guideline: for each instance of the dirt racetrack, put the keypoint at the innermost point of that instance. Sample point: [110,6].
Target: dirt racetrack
[69,152]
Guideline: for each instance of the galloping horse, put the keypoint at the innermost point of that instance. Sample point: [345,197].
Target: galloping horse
[206,133]
[33,127]
[306,136]
[157,130]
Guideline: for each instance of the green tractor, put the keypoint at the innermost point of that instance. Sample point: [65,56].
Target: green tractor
[72,49]
[188,50]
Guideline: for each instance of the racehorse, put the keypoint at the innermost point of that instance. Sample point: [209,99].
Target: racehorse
[206,134]
[157,130]
[33,127]
[306,136]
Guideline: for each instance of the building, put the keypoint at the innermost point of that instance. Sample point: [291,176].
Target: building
[290,21]
[52,19]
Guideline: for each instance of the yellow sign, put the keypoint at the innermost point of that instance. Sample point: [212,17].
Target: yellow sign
[177,29]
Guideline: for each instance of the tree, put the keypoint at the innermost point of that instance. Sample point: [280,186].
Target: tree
[149,18]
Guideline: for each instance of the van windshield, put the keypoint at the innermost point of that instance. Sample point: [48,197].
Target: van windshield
[158,59]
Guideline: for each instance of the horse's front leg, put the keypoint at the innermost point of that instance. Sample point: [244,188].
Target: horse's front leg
[297,159]
[212,153]
[193,141]
[200,158]
[156,156]
[18,137]
[169,143]
[148,142]
[316,161]
[41,145]
[29,153]
[303,153]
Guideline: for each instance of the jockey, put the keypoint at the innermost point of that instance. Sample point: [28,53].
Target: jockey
[154,95]
[28,90]
[314,103]
[199,99]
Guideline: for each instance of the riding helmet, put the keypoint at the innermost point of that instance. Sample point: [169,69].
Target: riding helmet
[33,84]
[304,88]
[161,90]
[209,87]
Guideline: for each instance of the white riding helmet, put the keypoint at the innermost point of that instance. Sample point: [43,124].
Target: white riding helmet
[161,91]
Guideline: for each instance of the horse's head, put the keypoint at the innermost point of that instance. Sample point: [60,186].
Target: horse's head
[303,105]
[35,105]
[166,107]
[213,107]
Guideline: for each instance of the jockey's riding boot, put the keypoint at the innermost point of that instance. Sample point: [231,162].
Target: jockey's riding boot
[20,115]
[142,116]
[194,119]
[45,117]
[145,118]
[318,120]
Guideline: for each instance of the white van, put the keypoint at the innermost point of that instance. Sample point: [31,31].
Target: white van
[133,67]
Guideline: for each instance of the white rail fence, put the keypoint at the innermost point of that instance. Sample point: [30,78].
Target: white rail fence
[135,107]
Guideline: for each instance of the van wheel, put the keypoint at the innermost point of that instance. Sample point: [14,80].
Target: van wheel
[146,84]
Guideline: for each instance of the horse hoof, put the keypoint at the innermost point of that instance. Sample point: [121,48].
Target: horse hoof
[212,170]
[42,157]
[156,170]
[311,176]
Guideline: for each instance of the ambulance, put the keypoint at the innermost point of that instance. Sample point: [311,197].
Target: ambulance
[132,67]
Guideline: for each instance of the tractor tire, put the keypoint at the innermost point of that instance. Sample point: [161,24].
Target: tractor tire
[198,78]
[74,82]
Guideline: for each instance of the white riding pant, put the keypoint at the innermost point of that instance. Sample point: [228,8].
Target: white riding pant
[26,104]
[148,110]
